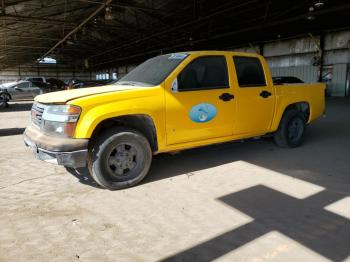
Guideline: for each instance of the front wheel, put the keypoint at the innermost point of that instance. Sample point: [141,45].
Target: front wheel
[120,158]
[3,101]
[291,130]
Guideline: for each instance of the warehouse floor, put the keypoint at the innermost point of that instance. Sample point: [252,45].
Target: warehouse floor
[238,201]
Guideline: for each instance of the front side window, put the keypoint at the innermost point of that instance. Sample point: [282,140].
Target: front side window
[36,79]
[209,72]
[250,72]
[23,85]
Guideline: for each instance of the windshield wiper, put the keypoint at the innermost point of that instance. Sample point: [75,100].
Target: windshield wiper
[126,83]
[131,83]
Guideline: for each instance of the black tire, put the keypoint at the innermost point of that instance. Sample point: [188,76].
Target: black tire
[119,158]
[3,101]
[5,96]
[291,130]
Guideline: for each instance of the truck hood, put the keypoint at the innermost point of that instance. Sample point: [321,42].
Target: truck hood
[62,97]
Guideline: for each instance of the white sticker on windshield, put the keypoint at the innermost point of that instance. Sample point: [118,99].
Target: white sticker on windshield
[177,56]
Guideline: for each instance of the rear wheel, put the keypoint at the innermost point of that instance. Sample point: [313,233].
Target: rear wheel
[120,158]
[291,130]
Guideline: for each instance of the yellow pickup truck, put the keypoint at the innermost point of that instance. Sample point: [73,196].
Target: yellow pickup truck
[168,103]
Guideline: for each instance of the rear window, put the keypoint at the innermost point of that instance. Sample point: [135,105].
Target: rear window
[249,71]
[279,80]
[153,71]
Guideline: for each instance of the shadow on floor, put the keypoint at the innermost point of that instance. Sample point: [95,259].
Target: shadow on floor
[303,220]
[84,176]
[18,106]
[11,131]
[322,160]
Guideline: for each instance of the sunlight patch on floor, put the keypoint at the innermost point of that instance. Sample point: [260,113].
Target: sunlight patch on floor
[341,208]
[251,175]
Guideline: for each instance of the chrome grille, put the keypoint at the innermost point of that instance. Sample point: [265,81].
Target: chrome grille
[37,114]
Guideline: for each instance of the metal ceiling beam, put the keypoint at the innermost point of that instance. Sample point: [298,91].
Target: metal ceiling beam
[16,3]
[223,35]
[31,18]
[176,28]
[99,9]
[22,46]
[145,8]
[33,37]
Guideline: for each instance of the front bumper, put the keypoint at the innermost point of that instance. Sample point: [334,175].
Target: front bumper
[62,151]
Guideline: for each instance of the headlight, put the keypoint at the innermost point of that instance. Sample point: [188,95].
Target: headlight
[61,120]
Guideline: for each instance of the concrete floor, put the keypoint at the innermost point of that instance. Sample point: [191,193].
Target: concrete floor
[240,201]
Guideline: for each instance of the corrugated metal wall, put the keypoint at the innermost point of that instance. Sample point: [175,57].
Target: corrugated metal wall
[48,71]
[339,80]
[308,74]
[297,57]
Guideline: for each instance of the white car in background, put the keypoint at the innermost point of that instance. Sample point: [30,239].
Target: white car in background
[19,90]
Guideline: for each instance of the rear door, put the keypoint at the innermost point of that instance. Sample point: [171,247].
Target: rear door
[255,96]
[199,101]
[35,90]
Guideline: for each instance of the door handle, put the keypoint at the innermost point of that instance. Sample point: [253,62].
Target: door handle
[226,97]
[265,94]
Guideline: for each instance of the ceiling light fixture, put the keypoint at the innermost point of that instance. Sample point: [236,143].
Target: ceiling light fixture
[319,4]
[108,13]
[310,16]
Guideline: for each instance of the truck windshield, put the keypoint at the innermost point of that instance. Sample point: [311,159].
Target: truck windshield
[153,71]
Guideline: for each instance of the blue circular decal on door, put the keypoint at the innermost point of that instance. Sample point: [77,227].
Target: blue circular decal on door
[202,113]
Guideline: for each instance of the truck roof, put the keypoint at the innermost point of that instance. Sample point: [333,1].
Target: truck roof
[217,52]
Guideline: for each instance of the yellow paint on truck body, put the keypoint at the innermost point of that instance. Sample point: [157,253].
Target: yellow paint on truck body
[247,115]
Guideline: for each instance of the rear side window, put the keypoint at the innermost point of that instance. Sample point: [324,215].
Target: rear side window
[209,72]
[249,71]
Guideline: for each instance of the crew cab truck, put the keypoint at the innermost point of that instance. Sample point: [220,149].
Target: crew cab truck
[169,103]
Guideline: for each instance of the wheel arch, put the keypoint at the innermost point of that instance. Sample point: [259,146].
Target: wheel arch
[302,106]
[140,122]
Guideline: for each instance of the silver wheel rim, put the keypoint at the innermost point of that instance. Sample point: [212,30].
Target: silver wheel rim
[122,160]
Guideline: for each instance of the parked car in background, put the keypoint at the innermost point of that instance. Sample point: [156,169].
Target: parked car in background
[20,90]
[75,83]
[52,85]
[28,88]
[56,84]
[35,79]
[280,80]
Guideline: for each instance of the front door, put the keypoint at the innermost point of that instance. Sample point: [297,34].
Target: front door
[255,96]
[21,91]
[199,101]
